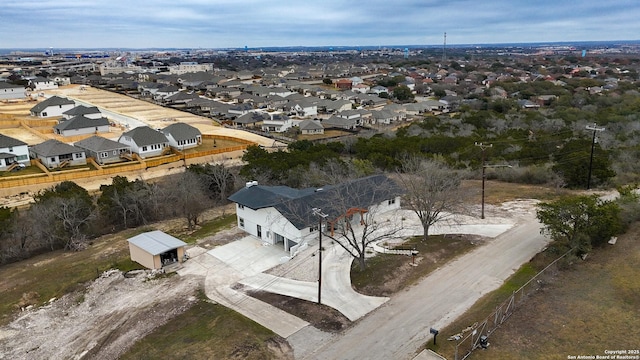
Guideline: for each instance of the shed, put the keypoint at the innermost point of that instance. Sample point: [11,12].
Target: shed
[155,249]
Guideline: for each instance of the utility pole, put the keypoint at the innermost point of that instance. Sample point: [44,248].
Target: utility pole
[593,143]
[483,147]
[318,212]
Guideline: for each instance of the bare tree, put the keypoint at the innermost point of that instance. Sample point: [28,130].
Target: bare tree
[359,213]
[432,190]
[188,197]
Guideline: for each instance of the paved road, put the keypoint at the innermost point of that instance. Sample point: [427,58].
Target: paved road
[398,328]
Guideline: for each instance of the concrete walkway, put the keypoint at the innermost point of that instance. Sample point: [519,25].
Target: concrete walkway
[336,286]
[220,276]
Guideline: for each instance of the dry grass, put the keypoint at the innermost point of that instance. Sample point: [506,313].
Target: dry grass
[588,307]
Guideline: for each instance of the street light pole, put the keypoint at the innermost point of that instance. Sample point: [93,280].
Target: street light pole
[593,143]
[318,212]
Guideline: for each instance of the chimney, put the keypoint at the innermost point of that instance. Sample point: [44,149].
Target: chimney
[250,184]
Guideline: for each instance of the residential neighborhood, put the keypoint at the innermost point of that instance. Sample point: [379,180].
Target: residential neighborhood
[342,203]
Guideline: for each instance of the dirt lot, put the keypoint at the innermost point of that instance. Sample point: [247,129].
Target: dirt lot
[99,323]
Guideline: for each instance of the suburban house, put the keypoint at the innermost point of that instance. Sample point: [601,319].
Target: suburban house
[53,106]
[56,154]
[306,107]
[277,123]
[145,141]
[90,112]
[11,91]
[251,119]
[340,123]
[280,215]
[81,125]
[104,151]
[182,136]
[155,249]
[13,153]
[40,83]
[308,127]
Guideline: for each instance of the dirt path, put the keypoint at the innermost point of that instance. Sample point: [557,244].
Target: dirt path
[398,328]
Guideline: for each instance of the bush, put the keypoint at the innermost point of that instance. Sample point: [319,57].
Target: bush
[534,175]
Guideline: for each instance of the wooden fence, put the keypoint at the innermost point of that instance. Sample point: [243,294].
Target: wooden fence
[111,169]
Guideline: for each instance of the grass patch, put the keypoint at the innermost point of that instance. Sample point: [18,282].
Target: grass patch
[207,228]
[387,274]
[29,170]
[497,192]
[57,273]
[208,331]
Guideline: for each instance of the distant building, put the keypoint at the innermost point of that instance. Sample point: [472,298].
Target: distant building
[145,141]
[52,107]
[10,91]
[56,154]
[12,153]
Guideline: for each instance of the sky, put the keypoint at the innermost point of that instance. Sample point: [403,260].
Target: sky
[272,23]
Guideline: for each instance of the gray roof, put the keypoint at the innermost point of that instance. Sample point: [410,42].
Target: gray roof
[52,101]
[310,125]
[251,118]
[181,131]
[145,135]
[81,122]
[54,147]
[5,85]
[6,141]
[296,204]
[82,110]
[4,155]
[156,242]
[98,143]
[339,122]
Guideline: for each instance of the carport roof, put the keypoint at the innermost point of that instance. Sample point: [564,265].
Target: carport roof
[156,242]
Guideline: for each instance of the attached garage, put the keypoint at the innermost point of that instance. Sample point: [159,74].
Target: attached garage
[155,249]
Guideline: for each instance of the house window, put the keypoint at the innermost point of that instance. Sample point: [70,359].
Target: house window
[241,222]
[313,228]
[77,155]
[53,159]
[104,155]
[392,201]
[144,148]
[241,207]
[44,113]
[10,149]
[115,152]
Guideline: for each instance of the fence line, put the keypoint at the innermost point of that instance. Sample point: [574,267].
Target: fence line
[500,315]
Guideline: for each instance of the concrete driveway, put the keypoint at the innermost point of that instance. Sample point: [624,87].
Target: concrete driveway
[225,265]
[336,286]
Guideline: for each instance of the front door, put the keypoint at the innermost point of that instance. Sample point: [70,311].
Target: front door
[260,231]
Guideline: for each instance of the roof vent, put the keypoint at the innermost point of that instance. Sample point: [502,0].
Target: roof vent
[251,183]
[319,189]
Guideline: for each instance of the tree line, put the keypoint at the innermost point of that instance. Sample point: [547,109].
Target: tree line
[66,216]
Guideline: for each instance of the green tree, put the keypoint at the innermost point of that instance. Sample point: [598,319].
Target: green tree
[403,93]
[572,163]
[579,222]
[327,81]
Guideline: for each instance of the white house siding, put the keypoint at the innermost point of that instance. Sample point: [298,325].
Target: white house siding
[48,85]
[272,223]
[143,151]
[21,152]
[54,162]
[13,93]
[84,131]
[56,110]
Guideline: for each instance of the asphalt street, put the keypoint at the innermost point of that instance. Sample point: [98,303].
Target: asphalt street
[399,327]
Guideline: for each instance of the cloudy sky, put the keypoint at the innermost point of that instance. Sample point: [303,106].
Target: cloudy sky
[262,23]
